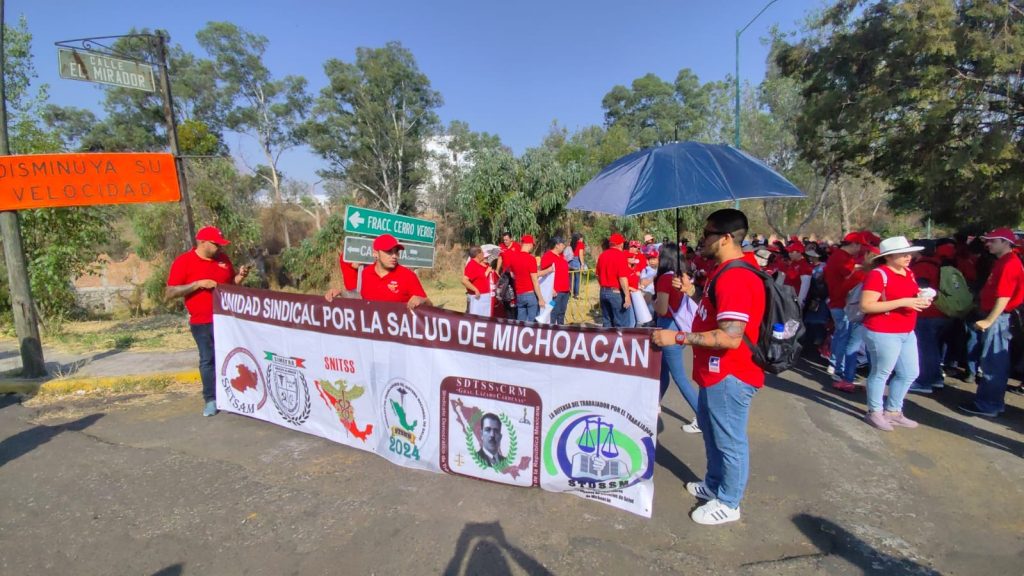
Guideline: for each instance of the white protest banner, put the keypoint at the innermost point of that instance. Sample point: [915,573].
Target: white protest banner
[569,409]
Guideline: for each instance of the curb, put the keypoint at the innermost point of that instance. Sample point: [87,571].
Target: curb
[57,387]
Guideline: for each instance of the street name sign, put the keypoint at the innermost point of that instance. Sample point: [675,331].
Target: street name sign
[94,67]
[360,250]
[373,223]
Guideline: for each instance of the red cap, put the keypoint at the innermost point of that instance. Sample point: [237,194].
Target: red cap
[853,238]
[945,251]
[1001,234]
[616,239]
[386,242]
[527,239]
[212,234]
[634,243]
[870,237]
[795,247]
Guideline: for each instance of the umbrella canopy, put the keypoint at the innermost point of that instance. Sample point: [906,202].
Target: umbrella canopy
[680,174]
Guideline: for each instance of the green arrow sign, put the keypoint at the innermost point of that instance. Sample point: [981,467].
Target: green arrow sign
[374,223]
[414,256]
[93,67]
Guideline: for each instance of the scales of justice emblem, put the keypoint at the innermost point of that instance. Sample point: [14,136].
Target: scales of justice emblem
[597,458]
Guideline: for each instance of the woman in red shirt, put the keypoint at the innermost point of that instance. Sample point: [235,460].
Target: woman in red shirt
[890,300]
[672,307]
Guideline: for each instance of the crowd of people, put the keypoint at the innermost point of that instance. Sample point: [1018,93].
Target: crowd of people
[912,311]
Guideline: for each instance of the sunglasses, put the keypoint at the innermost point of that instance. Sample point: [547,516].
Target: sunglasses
[710,233]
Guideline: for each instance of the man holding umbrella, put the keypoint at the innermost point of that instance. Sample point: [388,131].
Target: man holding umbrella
[723,366]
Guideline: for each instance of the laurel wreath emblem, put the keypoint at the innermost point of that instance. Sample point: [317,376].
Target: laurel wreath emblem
[513,443]
[294,420]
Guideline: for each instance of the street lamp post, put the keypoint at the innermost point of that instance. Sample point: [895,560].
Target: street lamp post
[737,120]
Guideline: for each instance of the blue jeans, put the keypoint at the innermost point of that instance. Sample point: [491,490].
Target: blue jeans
[613,315]
[575,273]
[527,307]
[994,356]
[890,354]
[203,335]
[839,338]
[854,338]
[722,412]
[930,332]
[672,364]
[561,303]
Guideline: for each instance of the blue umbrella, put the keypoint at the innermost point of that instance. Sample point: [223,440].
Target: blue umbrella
[680,174]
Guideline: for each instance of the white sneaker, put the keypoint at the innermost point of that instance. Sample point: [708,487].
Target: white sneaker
[691,428]
[714,513]
[699,490]
[830,370]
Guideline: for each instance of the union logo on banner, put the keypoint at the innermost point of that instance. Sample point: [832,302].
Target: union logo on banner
[242,381]
[288,389]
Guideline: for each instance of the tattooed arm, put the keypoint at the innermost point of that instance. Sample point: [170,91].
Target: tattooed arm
[728,336]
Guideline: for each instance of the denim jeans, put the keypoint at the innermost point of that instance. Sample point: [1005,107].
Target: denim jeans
[930,332]
[613,315]
[854,339]
[575,273]
[527,307]
[994,360]
[840,336]
[894,354]
[203,335]
[672,364]
[561,303]
[722,412]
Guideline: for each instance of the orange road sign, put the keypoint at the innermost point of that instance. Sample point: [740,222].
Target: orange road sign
[86,179]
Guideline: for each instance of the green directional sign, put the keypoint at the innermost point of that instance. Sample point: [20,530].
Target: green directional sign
[368,222]
[360,250]
[93,67]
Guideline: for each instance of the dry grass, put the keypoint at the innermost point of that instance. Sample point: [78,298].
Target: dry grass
[162,332]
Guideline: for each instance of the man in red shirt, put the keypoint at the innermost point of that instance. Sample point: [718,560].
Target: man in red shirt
[523,266]
[193,276]
[507,245]
[387,280]
[476,277]
[841,265]
[613,276]
[553,263]
[797,271]
[1002,294]
[932,325]
[723,367]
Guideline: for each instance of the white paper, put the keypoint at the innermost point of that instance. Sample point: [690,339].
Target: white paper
[640,311]
[479,305]
[547,287]
[683,316]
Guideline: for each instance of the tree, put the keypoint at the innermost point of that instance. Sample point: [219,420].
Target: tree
[272,111]
[371,121]
[927,95]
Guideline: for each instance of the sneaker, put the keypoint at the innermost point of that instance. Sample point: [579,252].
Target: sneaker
[691,428]
[844,386]
[699,490]
[920,388]
[831,370]
[939,385]
[878,420]
[969,378]
[714,513]
[972,408]
[211,408]
[898,419]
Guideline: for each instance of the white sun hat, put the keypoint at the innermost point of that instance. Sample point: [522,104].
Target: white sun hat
[896,245]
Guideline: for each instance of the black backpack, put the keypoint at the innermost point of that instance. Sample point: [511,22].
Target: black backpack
[780,307]
[505,291]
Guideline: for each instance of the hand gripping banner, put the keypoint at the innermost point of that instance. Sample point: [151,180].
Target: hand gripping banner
[568,409]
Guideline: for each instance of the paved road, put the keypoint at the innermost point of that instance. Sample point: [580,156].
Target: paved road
[145,485]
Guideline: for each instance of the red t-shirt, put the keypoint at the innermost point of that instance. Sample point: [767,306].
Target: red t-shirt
[739,294]
[663,285]
[1005,281]
[837,270]
[189,267]
[398,285]
[793,272]
[927,272]
[477,275]
[900,320]
[521,265]
[349,273]
[612,265]
[633,278]
[561,269]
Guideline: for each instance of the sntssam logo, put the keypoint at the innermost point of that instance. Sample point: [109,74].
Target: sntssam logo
[242,381]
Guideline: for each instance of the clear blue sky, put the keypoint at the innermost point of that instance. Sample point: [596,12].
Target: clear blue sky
[509,68]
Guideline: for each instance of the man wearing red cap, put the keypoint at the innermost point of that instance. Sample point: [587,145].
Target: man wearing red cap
[613,275]
[523,267]
[797,271]
[387,280]
[842,273]
[193,276]
[1002,293]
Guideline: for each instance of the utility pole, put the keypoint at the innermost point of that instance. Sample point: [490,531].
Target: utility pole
[26,324]
[172,138]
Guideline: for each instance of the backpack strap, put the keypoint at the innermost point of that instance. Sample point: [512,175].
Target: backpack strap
[739,263]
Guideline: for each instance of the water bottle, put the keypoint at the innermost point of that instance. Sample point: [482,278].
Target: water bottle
[778,332]
[791,328]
